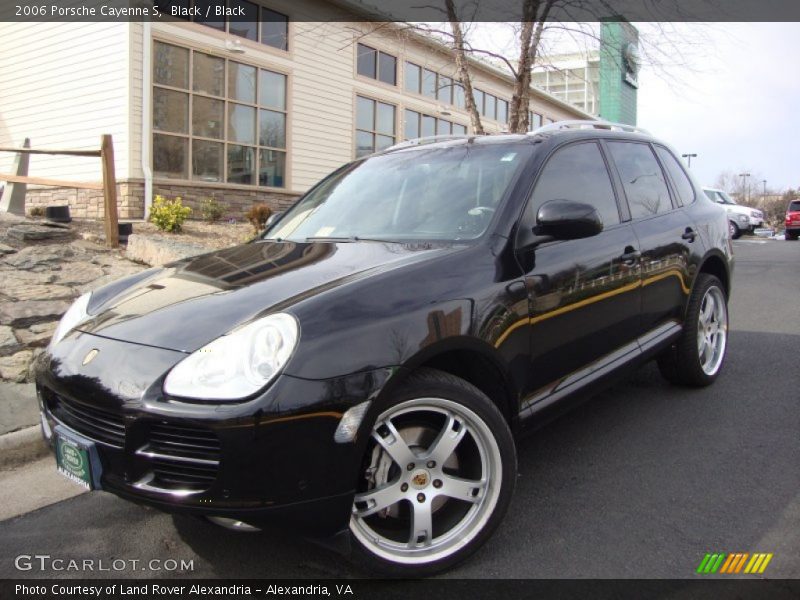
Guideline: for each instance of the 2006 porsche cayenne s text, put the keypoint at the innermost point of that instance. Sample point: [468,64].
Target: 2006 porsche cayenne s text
[363,369]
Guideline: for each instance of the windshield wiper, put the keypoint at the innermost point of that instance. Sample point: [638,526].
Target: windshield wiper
[352,238]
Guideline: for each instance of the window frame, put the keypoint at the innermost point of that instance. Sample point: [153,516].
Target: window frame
[227,102]
[377,78]
[677,200]
[225,31]
[622,192]
[420,114]
[528,220]
[374,132]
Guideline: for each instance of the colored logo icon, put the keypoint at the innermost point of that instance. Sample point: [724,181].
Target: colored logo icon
[737,562]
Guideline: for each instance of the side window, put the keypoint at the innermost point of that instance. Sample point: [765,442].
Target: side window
[578,172]
[683,186]
[642,179]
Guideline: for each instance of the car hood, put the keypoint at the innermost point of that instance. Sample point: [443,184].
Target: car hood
[189,303]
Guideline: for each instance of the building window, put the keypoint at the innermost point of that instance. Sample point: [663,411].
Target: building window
[458,96]
[445,90]
[429,83]
[534,121]
[502,111]
[421,125]
[255,22]
[217,120]
[274,29]
[375,126]
[413,79]
[376,65]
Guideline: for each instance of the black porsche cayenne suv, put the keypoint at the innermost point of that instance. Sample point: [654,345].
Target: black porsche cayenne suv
[364,368]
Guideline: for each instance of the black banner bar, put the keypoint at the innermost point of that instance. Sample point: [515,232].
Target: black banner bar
[408,10]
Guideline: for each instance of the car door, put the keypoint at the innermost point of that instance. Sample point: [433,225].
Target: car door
[584,294]
[666,233]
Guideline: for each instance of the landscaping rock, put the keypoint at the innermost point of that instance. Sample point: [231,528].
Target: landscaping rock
[8,341]
[26,233]
[37,336]
[5,249]
[34,256]
[19,290]
[28,312]
[15,367]
[19,407]
[159,251]
[78,273]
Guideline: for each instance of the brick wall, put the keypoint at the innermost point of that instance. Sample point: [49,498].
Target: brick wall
[88,204]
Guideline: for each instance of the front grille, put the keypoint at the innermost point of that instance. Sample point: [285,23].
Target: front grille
[181,457]
[96,424]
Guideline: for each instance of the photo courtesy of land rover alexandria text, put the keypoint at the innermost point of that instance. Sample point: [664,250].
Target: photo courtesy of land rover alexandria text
[363,369]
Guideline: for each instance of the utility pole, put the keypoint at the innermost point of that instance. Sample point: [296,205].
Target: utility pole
[764,195]
[744,177]
[690,157]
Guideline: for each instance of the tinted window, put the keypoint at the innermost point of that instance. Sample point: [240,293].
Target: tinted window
[387,70]
[683,186]
[413,77]
[642,179]
[578,172]
[794,206]
[367,61]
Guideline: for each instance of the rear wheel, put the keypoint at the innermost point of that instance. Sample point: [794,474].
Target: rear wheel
[697,357]
[436,479]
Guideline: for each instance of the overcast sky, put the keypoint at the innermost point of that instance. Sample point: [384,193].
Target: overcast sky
[738,108]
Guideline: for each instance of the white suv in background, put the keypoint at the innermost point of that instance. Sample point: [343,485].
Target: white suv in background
[741,219]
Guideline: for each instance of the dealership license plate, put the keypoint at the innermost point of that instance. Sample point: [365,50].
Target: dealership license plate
[74,460]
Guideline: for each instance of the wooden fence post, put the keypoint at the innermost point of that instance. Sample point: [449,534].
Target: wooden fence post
[109,191]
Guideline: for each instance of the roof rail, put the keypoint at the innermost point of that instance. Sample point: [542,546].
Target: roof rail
[576,124]
[431,139]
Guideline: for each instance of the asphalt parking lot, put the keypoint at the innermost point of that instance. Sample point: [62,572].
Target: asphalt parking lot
[640,482]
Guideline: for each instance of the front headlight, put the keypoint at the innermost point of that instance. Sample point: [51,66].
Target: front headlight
[755,214]
[72,318]
[237,364]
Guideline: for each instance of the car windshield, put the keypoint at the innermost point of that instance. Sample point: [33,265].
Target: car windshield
[444,193]
[725,199]
[794,206]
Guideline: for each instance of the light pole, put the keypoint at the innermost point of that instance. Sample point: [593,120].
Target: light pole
[690,157]
[744,177]
[764,195]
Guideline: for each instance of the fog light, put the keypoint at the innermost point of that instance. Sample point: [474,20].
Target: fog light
[348,426]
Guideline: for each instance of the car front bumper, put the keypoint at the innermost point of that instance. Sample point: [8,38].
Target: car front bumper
[272,457]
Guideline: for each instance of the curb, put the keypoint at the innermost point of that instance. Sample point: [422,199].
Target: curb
[19,447]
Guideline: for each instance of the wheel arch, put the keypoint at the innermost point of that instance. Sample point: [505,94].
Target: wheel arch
[474,362]
[716,265]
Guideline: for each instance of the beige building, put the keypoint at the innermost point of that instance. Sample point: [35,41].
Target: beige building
[242,112]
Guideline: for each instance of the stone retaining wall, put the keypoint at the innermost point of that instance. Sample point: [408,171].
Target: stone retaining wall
[88,204]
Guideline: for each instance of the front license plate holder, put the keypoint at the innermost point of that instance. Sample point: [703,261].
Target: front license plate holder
[77,458]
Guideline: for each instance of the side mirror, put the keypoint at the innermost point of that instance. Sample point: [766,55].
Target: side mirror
[567,220]
[272,219]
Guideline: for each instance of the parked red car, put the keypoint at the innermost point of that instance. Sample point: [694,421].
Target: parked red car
[793,220]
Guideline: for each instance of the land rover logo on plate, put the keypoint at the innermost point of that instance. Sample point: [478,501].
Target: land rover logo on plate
[72,457]
[90,356]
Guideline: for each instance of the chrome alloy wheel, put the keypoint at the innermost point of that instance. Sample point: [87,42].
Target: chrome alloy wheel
[431,484]
[712,330]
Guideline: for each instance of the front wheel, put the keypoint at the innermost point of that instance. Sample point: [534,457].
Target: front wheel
[697,357]
[734,231]
[436,478]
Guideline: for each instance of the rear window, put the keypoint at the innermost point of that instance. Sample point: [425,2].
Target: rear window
[794,205]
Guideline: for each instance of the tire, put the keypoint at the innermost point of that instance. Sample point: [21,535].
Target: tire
[696,358]
[450,435]
[734,231]
[790,237]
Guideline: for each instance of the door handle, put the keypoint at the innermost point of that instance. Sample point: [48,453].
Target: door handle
[689,234]
[630,256]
